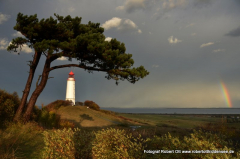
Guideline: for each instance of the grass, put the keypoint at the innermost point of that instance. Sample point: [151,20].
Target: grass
[21,141]
[180,121]
[86,117]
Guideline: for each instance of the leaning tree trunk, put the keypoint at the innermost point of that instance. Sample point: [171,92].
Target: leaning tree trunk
[37,91]
[26,91]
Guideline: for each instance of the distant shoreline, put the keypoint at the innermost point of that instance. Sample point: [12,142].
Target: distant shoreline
[195,111]
[165,108]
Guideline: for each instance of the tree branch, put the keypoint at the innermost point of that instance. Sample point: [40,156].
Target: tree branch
[44,54]
[57,55]
[38,80]
[79,66]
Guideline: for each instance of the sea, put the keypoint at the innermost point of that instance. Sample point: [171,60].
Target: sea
[175,110]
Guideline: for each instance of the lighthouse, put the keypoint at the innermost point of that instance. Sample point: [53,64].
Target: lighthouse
[70,92]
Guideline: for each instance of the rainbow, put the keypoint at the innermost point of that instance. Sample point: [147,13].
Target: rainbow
[226,94]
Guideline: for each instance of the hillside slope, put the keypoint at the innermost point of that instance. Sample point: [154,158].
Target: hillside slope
[86,117]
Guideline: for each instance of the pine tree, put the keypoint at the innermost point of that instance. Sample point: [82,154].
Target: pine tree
[67,37]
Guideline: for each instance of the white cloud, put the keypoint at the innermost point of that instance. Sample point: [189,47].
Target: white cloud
[17,34]
[219,50]
[3,17]
[129,23]
[150,33]
[25,48]
[62,58]
[132,5]
[108,39]
[206,44]
[172,40]
[112,23]
[155,66]
[193,34]
[121,24]
[3,44]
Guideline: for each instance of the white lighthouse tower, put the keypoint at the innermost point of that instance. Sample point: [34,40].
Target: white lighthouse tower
[70,92]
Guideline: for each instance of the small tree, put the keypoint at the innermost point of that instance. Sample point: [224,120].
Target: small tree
[67,37]
[79,103]
[8,106]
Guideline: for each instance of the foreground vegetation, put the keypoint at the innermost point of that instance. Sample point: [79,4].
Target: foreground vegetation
[57,132]
[31,141]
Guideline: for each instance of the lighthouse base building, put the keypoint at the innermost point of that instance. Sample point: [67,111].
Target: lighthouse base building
[70,91]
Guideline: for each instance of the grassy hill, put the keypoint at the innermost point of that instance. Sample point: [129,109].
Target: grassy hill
[82,116]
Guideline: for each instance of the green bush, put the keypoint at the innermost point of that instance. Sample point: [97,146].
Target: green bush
[48,119]
[8,106]
[57,104]
[67,143]
[75,143]
[91,105]
[58,144]
[83,143]
[66,124]
[198,140]
[115,143]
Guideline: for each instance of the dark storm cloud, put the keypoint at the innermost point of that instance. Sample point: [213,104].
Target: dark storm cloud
[180,74]
[202,3]
[234,33]
[161,8]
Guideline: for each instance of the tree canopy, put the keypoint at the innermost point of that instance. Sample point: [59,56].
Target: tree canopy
[66,36]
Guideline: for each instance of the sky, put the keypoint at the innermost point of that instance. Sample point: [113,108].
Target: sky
[190,48]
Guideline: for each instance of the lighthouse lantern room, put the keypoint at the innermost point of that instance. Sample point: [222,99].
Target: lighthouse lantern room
[70,92]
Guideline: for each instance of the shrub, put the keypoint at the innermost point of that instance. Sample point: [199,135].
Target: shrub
[83,143]
[115,143]
[91,105]
[66,124]
[58,144]
[8,106]
[67,143]
[48,119]
[198,140]
[79,103]
[57,104]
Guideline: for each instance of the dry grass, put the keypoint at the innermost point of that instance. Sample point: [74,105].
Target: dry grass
[86,117]
[21,141]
